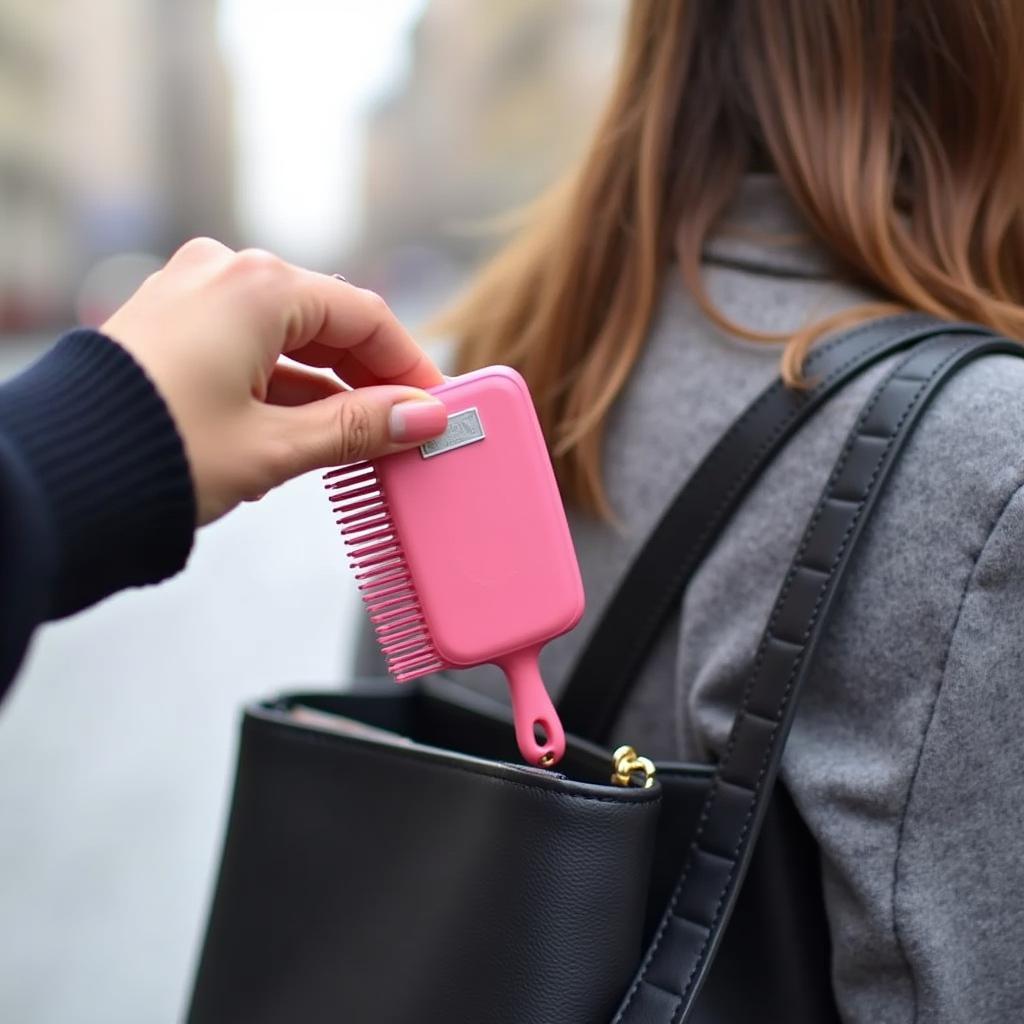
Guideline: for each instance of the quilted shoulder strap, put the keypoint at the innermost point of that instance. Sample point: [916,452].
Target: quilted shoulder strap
[683,947]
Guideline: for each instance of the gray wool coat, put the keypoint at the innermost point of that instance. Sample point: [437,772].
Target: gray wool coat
[906,756]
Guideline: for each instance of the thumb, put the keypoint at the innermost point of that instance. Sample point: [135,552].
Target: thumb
[353,425]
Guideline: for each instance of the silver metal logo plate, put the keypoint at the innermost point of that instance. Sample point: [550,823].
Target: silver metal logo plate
[463,428]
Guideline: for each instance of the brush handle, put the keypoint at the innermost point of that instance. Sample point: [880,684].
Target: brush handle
[533,709]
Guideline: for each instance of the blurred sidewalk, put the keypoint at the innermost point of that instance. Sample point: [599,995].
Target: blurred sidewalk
[116,755]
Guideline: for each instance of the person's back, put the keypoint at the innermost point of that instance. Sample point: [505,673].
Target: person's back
[896,184]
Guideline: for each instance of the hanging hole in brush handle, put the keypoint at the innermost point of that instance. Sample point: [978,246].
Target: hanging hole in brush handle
[540,736]
[539,731]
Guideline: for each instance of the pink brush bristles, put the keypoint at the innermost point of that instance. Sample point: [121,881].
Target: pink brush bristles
[385,585]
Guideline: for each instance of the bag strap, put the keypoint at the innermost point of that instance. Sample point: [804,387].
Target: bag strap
[654,583]
[681,952]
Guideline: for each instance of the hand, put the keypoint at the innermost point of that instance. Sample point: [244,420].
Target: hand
[209,329]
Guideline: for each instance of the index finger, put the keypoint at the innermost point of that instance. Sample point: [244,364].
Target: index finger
[357,326]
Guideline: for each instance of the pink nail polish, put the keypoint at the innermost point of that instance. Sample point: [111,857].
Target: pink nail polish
[416,421]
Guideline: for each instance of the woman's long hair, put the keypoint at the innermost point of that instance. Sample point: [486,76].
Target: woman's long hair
[896,126]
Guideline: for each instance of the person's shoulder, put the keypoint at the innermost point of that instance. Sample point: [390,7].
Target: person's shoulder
[982,407]
[966,459]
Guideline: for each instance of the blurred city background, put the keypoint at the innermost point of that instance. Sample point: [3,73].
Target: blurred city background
[373,138]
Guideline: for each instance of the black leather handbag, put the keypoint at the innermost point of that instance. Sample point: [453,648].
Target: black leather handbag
[387,860]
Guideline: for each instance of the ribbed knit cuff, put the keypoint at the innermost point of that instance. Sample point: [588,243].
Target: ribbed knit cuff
[103,450]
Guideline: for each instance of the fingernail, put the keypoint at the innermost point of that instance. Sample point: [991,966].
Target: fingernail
[417,420]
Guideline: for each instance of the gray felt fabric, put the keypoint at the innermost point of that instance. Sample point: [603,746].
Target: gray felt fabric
[905,759]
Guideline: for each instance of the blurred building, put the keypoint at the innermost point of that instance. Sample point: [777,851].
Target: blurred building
[146,121]
[499,99]
[35,236]
[115,135]
[194,106]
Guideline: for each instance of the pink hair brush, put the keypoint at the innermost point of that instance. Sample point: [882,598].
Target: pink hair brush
[462,552]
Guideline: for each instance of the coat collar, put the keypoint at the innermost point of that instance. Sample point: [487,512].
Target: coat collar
[763,232]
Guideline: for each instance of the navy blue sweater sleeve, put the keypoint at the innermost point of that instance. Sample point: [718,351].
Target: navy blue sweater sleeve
[95,489]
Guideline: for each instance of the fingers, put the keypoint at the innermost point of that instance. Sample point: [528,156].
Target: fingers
[327,322]
[293,385]
[200,250]
[345,366]
[350,426]
[356,326]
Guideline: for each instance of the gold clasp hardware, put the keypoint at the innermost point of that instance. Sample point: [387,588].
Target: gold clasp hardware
[629,768]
